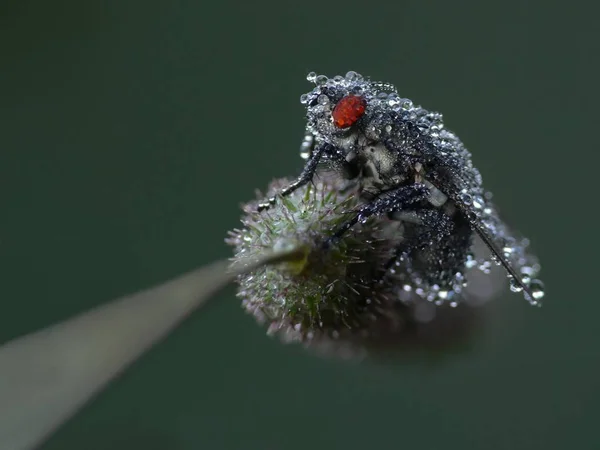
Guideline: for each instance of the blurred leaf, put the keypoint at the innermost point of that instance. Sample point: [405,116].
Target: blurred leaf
[46,376]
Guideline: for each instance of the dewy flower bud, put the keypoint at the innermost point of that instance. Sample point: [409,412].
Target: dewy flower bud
[328,289]
[336,297]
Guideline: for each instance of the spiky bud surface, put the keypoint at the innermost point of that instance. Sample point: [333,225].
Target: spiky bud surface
[336,298]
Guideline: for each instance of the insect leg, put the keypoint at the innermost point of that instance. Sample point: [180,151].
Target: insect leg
[394,200]
[436,244]
[304,178]
[478,227]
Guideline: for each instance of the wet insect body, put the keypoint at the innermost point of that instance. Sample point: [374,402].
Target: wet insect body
[412,169]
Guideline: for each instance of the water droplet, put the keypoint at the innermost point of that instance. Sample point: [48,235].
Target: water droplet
[321,80]
[304,99]
[388,128]
[470,262]
[407,104]
[322,99]
[515,286]
[537,289]
[353,76]
[338,78]
[528,270]
[311,76]
[478,202]
[466,199]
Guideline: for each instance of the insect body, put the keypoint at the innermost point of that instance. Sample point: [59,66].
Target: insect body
[411,168]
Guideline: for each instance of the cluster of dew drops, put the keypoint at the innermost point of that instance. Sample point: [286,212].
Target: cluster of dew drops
[391,98]
[515,252]
[513,249]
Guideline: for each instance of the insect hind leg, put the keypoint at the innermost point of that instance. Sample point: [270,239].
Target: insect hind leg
[435,247]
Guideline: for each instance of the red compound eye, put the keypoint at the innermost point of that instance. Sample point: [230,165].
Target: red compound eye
[348,110]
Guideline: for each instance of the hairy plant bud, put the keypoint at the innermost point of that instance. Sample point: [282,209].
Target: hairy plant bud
[339,298]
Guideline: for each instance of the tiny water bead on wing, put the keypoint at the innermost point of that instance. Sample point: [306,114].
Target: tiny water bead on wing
[410,168]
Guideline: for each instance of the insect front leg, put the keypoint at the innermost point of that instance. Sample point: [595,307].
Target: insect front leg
[393,200]
[305,177]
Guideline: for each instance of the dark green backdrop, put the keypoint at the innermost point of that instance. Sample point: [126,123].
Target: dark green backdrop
[131,131]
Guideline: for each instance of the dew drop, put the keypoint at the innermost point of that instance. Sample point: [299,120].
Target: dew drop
[478,202]
[528,270]
[407,104]
[321,80]
[353,76]
[322,99]
[338,78]
[304,99]
[470,262]
[515,286]
[537,289]
[466,199]
[311,77]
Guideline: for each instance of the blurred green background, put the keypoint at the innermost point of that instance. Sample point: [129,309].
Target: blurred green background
[131,131]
